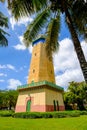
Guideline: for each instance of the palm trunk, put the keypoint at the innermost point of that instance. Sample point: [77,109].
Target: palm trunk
[77,45]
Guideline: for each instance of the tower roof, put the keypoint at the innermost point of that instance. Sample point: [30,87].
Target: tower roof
[41,38]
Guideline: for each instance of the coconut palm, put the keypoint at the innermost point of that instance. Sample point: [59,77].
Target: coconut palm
[48,15]
[3,23]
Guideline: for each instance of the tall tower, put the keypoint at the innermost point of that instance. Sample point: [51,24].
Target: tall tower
[40,94]
[41,68]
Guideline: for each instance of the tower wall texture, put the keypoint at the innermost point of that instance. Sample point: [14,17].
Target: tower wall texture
[41,68]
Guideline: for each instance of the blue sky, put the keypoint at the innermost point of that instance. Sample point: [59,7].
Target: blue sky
[15,59]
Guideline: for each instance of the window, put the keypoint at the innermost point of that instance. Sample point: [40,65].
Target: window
[35,54]
[33,70]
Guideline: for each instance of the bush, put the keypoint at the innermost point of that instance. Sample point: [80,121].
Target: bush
[5,113]
[83,112]
[59,115]
[46,115]
[34,115]
[31,115]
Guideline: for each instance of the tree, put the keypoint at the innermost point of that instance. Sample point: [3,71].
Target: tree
[76,94]
[48,15]
[3,23]
[11,98]
[8,99]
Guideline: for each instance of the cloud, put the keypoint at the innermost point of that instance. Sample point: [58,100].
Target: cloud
[1,80]
[23,20]
[8,66]
[13,83]
[21,46]
[66,64]
[30,48]
[2,74]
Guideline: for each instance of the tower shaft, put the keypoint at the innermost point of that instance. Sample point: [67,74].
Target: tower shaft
[41,67]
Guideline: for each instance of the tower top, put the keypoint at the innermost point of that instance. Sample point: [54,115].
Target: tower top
[40,38]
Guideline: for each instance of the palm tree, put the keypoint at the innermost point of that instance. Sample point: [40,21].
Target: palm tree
[48,15]
[3,23]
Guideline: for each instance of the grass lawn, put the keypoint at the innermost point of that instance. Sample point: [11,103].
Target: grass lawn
[74,123]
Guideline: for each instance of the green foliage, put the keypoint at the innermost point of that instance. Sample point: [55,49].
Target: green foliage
[83,112]
[52,35]
[21,8]
[31,115]
[34,115]
[8,99]
[5,113]
[46,115]
[35,27]
[3,23]
[76,94]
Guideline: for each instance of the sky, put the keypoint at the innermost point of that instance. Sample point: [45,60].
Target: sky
[15,59]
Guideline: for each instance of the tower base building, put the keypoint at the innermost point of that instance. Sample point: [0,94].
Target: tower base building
[40,94]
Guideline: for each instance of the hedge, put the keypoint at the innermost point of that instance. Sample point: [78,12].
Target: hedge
[5,113]
[34,115]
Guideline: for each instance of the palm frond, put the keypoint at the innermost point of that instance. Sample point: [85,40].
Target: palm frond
[3,20]
[34,28]
[52,35]
[79,17]
[3,40]
[21,8]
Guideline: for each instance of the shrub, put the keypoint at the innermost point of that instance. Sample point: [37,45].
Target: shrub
[5,113]
[31,115]
[58,114]
[83,112]
[46,115]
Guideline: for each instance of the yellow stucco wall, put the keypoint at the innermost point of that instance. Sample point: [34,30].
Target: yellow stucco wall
[37,95]
[53,95]
[41,68]
[42,96]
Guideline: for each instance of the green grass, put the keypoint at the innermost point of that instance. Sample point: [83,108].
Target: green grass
[73,123]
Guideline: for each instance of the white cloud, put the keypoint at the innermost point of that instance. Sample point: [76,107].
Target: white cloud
[13,83]
[21,46]
[7,66]
[23,20]
[2,74]
[1,80]
[30,48]
[2,66]
[66,64]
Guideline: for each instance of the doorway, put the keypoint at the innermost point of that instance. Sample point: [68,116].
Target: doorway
[28,107]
